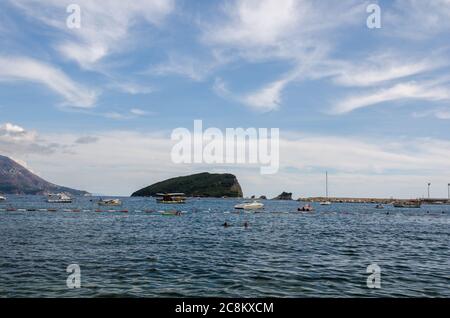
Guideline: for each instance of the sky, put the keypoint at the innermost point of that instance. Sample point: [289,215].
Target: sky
[94,107]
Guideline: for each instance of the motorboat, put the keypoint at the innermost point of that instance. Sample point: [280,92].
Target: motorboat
[379,206]
[2,198]
[110,202]
[325,203]
[306,208]
[172,213]
[255,205]
[413,204]
[171,198]
[59,198]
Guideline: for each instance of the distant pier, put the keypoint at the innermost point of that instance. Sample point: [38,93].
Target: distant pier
[374,200]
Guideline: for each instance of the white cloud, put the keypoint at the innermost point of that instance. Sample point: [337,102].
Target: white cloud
[268,98]
[299,32]
[27,69]
[197,69]
[139,112]
[364,167]
[16,140]
[134,88]
[130,114]
[105,25]
[402,91]
[383,68]
[257,22]
[265,99]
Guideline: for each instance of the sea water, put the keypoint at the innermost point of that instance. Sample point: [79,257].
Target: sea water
[282,253]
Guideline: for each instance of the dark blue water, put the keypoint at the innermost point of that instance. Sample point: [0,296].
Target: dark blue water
[282,254]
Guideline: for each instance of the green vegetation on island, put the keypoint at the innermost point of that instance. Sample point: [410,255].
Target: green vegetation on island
[197,185]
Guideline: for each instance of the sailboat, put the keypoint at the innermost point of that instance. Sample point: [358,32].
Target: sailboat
[327,202]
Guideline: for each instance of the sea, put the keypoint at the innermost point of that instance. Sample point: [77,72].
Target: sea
[342,250]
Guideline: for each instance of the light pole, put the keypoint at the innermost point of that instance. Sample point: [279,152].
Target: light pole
[429,185]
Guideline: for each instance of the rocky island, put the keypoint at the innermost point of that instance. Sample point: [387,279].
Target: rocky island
[205,185]
[284,196]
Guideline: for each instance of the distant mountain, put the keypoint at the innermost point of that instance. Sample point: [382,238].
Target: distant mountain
[197,185]
[16,179]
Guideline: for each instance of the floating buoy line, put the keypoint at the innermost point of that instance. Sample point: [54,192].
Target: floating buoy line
[77,210]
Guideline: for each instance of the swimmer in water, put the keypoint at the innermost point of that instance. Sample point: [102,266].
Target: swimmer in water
[246,224]
[226,224]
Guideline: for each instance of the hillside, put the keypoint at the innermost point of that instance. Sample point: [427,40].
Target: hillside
[197,185]
[16,179]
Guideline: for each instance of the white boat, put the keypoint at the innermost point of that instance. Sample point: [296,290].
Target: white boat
[255,205]
[59,198]
[2,198]
[111,202]
[325,203]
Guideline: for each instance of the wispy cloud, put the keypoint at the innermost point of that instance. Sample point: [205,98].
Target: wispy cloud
[264,100]
[133,88]
[105,26]
[402,91]
[194,68]
[130,114]
[418,20]
[298,32]
[26,69]
[382,68]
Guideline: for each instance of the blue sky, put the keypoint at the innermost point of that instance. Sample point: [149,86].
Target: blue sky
[370,105]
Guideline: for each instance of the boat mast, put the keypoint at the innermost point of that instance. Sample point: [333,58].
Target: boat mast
[326,177]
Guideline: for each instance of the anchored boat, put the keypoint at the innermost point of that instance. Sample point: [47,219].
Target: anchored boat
[171,198]
[111,202]
[306,208]
[2,198]
[172,213]
[326,185]
[413,204]
[59,198]
[255,205]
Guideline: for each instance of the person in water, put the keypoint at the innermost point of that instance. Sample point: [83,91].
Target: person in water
[246,224]
[226,224]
